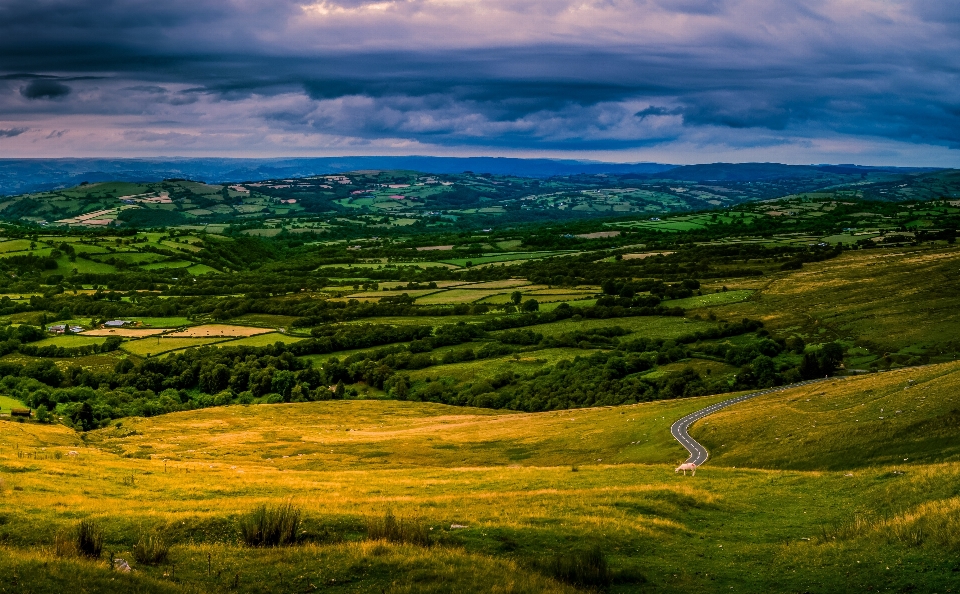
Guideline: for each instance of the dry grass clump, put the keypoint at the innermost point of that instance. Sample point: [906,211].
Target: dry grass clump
[271,526]
[85,540]
[399,530]
[582,568]
[151,549]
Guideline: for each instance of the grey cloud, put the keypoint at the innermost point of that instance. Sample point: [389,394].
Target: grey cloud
[45,89]
[11,132]
[734,66]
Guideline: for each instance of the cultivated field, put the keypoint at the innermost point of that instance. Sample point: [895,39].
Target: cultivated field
[216,330]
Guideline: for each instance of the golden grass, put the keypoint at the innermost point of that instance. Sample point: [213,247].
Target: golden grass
[124,332]
[897,417]
[891,297]
[218,330]
[508,477]
[165,343]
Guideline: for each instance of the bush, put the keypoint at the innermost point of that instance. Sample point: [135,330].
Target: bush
[399,530]
[583,568]
[271,526]
[89,539]
[151,549]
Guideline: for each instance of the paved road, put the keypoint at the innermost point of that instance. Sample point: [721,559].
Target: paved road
[698,453]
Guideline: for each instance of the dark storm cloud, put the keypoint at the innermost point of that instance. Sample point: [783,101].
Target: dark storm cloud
[614,73]
[11,132]
[45,89]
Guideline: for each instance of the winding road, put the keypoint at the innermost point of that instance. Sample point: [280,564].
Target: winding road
[698,453]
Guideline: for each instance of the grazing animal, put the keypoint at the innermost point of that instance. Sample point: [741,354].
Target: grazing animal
[72,453]
[687,466]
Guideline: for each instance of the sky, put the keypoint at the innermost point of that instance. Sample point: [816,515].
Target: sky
[873,82]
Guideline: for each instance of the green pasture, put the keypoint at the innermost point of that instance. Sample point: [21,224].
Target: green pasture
[6,403]
[710,299]
[171,322]
[262,340]
[647,326]
[167,265]
[578,303]
[70,341]
[154,345]
[506,257]
[524,363]
[455,296]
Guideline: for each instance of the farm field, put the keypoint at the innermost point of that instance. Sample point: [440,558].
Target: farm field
[71,340]
[647,326]
[524,364]
[215,330]
[124,332]
[145,347]
[260,340]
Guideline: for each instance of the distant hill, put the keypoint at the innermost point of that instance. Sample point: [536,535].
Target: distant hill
[21,176]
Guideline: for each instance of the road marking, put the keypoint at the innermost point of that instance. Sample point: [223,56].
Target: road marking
[680,429]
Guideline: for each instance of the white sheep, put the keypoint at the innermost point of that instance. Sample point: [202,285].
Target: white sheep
[687,466]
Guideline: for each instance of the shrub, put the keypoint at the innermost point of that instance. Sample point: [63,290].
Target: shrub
[271,526]
[583,568]
[89,539]
[399,530]
[151,549]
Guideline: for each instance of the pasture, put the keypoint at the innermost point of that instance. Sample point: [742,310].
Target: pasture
[499,493]
[146,347]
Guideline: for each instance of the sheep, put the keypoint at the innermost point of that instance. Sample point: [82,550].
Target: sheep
[687,466]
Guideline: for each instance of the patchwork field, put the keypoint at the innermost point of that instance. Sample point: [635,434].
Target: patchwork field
[145,347]
[216,330]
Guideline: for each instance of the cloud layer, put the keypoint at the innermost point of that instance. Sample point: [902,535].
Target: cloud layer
[872,81]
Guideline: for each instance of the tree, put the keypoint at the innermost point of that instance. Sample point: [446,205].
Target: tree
[516,297]
[531,305]
[339,390]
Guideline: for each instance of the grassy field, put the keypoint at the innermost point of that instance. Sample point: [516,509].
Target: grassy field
[523,488]
[124,332]
[263,340]
[890,418]
[6,403]
[710,299]
[648,326]
[172,322]
[885,300]
[213,330]
[70,341]
[162,344]
[471,371]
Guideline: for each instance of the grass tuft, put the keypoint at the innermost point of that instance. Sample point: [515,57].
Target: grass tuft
[89,539]
[582,568]
[151,549]
[271,526]
[399,530]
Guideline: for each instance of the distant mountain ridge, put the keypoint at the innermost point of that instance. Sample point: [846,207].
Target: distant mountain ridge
[19,176]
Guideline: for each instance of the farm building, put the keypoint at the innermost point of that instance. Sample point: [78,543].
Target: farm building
[116,323]
[57,328]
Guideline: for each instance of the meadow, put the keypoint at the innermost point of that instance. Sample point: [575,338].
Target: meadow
[500,495]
